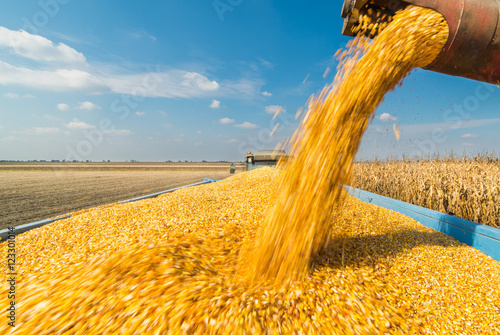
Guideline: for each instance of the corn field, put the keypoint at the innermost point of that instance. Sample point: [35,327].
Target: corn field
[464,187]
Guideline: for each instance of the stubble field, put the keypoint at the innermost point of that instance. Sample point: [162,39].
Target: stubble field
[468,188]
[465,187]
[36,191]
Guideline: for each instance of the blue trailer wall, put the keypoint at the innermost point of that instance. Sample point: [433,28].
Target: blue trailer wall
[481,237]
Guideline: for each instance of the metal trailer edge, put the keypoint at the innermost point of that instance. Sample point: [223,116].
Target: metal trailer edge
[481,237]
[4,234]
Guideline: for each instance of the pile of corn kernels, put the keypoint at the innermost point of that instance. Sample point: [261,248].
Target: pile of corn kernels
[167,265]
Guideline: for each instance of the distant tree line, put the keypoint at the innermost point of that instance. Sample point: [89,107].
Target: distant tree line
[90,161]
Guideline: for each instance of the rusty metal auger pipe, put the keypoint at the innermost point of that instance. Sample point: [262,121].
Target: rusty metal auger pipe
[473,47]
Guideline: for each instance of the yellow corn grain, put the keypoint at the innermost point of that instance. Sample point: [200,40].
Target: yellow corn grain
[167,266]
[325,144]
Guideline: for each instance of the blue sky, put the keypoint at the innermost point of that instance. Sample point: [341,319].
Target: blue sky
[200,80]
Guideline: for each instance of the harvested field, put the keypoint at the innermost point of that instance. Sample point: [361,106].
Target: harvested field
[32,192]
[119,166]
[468,188]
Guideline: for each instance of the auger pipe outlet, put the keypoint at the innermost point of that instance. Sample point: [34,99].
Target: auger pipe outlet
[473,47]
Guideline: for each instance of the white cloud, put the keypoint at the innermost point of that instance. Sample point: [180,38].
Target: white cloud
[142,34]
[16,96]
[69,71]
[465,144]
[77,124]
[470,136]
[266,64]
[198,144]
[170,84]
[198,132]
[267,94]
[245,87]
[118,132]
[63,107]
[140,113]
[386,117]
[233,140]
[70,38]
[247,125]
[59,80]
[1,127]
[226,121]
[160,84]
[417,129]
[37,47]
[87,105]
[8,139]
[193,79]
[42,131]
[215,104]
[273,109]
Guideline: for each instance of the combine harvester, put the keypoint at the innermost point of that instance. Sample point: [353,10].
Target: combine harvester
[263,158]
[472,51]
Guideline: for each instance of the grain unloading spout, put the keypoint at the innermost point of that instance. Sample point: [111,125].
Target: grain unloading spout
[473,47]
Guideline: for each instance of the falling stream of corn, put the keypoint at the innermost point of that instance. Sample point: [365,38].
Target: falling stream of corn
[325,144]
[271,250]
